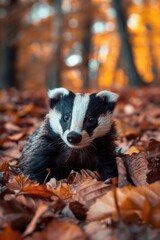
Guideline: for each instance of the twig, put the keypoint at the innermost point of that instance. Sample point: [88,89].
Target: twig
[114,183]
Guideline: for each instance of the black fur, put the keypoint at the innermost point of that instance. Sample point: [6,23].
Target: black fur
[46,150]
[50,153]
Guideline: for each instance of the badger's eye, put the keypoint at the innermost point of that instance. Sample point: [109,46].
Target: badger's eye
[66,116]
[90,119]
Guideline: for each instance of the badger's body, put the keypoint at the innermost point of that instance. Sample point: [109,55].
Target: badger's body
[78,133]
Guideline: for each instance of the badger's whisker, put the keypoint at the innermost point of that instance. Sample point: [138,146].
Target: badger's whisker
[72,136]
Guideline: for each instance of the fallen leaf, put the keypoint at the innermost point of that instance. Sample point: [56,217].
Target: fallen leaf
[132,150]
[39,213]
[86,191]
[78,210]
[4,167]
[38,190]
[20,182]
[125,129]
[8,233]
[12,127]
[16,136]
[60,189]
[61,230]
[131,201]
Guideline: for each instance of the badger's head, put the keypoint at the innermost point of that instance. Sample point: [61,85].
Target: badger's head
[80,118]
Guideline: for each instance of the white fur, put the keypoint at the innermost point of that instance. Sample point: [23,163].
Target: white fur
[78,115]
[79,110]
[80,106]
[112,97]
[104,125]
[54,120]
[84,143]
[57,92]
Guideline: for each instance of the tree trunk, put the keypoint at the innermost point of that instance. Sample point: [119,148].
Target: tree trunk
[133,75]
[151,50]
[55,72]
[86,42]
[8,69]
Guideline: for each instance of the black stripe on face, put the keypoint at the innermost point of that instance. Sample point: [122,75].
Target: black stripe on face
[65,107]
[96,107]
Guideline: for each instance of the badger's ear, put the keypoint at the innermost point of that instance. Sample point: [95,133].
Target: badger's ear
[109,98]
[55,95]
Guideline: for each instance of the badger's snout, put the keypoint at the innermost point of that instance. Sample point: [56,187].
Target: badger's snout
[74,137]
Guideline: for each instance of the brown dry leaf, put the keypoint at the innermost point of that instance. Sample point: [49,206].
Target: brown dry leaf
[89,174]
[105,206]
[76,177]
[4,166]
[23,185]
[137,168]
[60,230]
[126,130]
[9,234]
[122,173]
[62,190]
[143,202]
[31,202]
[9,144]
[132,202]
[87,190]
[38,190]
[12,127]
[58,205]
[12,153]
[17,136]
[131,207]
[39,213]
[98,231]
[13,213]
[27,109]
[78,210]
[19,182]
[154,147]
[154,219]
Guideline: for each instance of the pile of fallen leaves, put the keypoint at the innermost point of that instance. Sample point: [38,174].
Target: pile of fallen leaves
[81,206]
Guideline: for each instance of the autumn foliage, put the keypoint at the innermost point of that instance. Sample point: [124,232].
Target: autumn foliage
[82,206]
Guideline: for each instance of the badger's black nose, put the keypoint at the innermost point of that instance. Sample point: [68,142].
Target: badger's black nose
[74,137]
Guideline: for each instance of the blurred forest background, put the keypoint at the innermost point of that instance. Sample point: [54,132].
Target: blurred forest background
[79,44]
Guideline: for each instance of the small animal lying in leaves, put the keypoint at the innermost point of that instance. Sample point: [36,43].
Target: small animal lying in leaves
[77,133]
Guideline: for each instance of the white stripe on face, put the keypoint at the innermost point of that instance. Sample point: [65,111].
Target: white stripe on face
[80,106]
[54,119]
[104,125]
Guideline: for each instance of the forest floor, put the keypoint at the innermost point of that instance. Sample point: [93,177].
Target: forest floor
[81,207]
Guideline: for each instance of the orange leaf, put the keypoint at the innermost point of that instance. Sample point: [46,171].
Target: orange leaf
[8,233]
[132,150]
[38,190]
[4,166]
[16,136]
[31,226]
[19,182]
[62,190]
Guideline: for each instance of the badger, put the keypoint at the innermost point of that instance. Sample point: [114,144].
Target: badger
[77,133]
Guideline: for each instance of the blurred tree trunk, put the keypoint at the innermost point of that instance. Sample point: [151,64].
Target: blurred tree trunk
[55,77]
[151,50]
[87,9]
[133,75]
[9,50]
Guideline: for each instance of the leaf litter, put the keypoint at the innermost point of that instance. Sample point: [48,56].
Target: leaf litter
[82,206]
